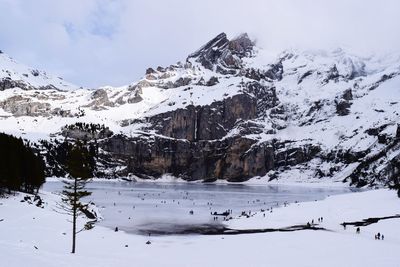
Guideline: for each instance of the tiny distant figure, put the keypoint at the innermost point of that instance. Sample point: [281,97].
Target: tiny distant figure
[379,236]
[191,212]
[116,229]
[383,237]
[264,214]
[376,237]
[358,230]
[312,221]
[322,219]
[319,219]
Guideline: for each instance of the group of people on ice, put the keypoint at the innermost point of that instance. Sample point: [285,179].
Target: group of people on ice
[378,236]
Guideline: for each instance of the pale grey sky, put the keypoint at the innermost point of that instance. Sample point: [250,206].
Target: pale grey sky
[112,42]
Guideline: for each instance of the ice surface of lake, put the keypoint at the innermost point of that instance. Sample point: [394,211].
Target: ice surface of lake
[138,207]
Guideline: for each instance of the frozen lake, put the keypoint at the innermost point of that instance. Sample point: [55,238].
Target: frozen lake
[146,206]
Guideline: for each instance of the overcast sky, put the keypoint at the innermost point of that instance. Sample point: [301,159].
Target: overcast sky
[112,42]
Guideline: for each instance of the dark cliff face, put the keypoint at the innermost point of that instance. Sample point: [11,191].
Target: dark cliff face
[205,122]
[233,159]
[192,143]
[214,121]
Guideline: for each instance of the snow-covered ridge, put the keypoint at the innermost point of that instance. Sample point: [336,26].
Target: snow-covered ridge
[15,74]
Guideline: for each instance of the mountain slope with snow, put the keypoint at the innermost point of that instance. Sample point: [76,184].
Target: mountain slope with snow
[14,74]
[229,112]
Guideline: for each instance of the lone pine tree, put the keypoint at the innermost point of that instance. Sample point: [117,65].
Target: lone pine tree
[79,169]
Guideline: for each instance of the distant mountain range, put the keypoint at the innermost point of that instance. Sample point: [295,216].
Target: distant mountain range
[228,111]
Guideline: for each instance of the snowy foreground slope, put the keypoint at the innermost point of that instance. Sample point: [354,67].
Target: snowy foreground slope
[229,111]
[24,227]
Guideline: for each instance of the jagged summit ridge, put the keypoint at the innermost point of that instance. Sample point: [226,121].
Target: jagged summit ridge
[217,43]
[223,55]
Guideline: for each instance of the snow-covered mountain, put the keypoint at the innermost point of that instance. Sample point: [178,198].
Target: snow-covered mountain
[14,74]
[229,111]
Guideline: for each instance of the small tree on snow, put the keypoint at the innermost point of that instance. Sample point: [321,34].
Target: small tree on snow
[78,167]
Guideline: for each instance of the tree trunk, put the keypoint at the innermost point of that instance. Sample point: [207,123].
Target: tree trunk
[74,217]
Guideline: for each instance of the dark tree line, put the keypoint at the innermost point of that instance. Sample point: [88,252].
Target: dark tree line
[21,169]
[87,127]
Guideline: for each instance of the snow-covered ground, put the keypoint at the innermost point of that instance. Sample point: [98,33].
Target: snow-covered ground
[24,226]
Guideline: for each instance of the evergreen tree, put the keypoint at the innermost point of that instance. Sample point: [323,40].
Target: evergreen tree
[20,168]
[78,167]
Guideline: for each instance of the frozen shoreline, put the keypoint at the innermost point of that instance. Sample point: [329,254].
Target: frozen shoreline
[256,181]
[26,226]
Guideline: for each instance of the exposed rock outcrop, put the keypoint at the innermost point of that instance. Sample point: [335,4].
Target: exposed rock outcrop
[205,122]
[223,55]
[233,159]
[22,106]
[100,100]
[343,104]
[8,83]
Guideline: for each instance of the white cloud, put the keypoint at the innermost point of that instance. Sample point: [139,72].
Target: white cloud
[98,42]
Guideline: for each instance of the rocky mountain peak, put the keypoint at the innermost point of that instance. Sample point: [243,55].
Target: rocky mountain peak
[242,45]
[217,43]
[224,55]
